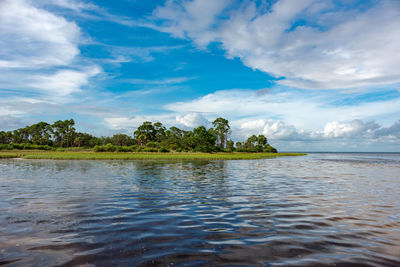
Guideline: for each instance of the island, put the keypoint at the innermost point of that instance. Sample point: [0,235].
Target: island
[60,140]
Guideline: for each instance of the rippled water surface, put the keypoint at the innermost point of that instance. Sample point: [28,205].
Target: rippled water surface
[312,210]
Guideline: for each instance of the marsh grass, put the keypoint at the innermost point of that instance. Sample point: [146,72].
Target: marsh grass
[9,155]
[87,155]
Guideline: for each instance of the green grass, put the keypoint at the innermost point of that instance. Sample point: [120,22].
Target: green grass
[9,155]
[86,155]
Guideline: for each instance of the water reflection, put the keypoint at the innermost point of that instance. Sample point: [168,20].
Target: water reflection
[323,208]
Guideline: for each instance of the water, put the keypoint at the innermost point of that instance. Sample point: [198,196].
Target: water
[318,209]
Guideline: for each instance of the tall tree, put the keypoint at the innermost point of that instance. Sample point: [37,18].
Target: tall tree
[160,130]
[222,131]
[64,132]
[203,139]
[145,133]
[251,142]
[262,141]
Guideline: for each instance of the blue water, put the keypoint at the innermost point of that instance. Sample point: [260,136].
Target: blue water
[332,209]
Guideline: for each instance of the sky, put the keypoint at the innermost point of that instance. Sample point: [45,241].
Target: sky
[311,75]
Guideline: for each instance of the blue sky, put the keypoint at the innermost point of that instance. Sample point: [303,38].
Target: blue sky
[312,75]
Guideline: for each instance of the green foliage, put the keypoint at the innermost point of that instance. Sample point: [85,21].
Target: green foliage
[150,149]
[152,145]
[122,140]
[222,131]
[25,146]
[230,146]
[145,133]
[163,150]
[149,137]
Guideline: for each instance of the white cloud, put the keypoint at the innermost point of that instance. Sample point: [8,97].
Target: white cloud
[336,48]
[88,10]
[304,111]
[71,4]
[193,120]
[334,136]
[39,52]
[64,82]
[7,111]
[355,128]
[35,38]
[193,19]
[273,129]
[174,80]
[392,132]
[123,54]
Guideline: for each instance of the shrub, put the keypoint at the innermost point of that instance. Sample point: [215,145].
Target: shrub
[107,148]
[150,149]
[98,148]
[163,149]
[202,148]
[270,149]
[152,144]
[123,149]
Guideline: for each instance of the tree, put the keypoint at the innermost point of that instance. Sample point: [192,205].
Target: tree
[262,141]
[230,145]
[159,129]
[64,132]
[145,133]
[203,140]
[122,140]
[174,138]
[86,140]
[222,131]
[78,141]
[5,137]
[239,145]
[251,143]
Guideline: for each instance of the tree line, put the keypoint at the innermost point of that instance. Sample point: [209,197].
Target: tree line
[149,137]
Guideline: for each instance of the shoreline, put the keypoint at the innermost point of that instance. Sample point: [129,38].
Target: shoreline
[69,155]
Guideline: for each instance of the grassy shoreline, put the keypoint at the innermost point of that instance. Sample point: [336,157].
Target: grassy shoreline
[88,155]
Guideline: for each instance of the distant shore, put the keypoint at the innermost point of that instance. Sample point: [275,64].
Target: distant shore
[87,155]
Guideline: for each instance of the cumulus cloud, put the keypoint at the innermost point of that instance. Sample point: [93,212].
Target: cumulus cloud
[35,38]
[331,50]
[355,128]
[274,129]
[39,52]
[365,131]
[193,120]
[392,132]
[303,110]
